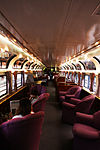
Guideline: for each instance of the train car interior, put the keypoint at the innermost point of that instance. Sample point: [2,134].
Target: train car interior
[50,75]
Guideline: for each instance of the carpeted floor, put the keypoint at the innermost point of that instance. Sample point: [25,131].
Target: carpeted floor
[55,134]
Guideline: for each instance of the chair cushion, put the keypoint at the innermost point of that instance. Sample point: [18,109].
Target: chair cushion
[74,101]
[22,133]
[84,118]
[68,105]
[39,88]
[85,131]
[62,93]
[69,95]
[62,98]
[43,89]
[97,119]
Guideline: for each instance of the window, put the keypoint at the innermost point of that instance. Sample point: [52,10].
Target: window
[94,85]
[87,81]
[76,78]
[18,63]
[70,76]
[19,80]
[27,65]
[13,82]
[78,67]
[3,85]
[66,76]
[4,57]
[80,79]
[89,65]
[25,76]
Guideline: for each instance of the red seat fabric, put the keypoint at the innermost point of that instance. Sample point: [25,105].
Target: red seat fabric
[84,118]
[39,105]
[86,131]
[69,110]
[22,133]
[72,92]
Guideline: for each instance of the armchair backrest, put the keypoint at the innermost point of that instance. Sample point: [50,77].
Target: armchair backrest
[73,90]
[77,93]
[43,89]
[85,104]
[96,119]
[39,88]
[23,133]
[39,105]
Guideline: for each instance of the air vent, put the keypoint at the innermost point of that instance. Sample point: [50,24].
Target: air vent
[96,10]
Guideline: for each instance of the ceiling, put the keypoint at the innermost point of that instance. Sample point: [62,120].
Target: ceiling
[55,29]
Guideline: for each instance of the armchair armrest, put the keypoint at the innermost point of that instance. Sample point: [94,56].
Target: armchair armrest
[69,96]
[62,93]
[68,105]
[84,106]
[85,131]
[74,101]
[84,118]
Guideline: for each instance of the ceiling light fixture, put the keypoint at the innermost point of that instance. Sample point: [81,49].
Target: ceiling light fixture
[96,43]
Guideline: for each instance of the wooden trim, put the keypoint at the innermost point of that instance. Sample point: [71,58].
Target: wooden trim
[6,98]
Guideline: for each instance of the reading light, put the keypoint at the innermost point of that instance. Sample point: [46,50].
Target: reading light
[6,48]
[69,58]
[2,50]
[82,52]
[12,70]
[96,43]
[14,40]
[20,55]
[28,58]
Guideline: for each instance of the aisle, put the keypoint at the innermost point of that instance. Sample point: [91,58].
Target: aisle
[55,134]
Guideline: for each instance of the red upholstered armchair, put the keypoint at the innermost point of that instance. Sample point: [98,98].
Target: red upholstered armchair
[22,133]
[39,105]
[41,89]
[86,131]
[72,92]
[69,110]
